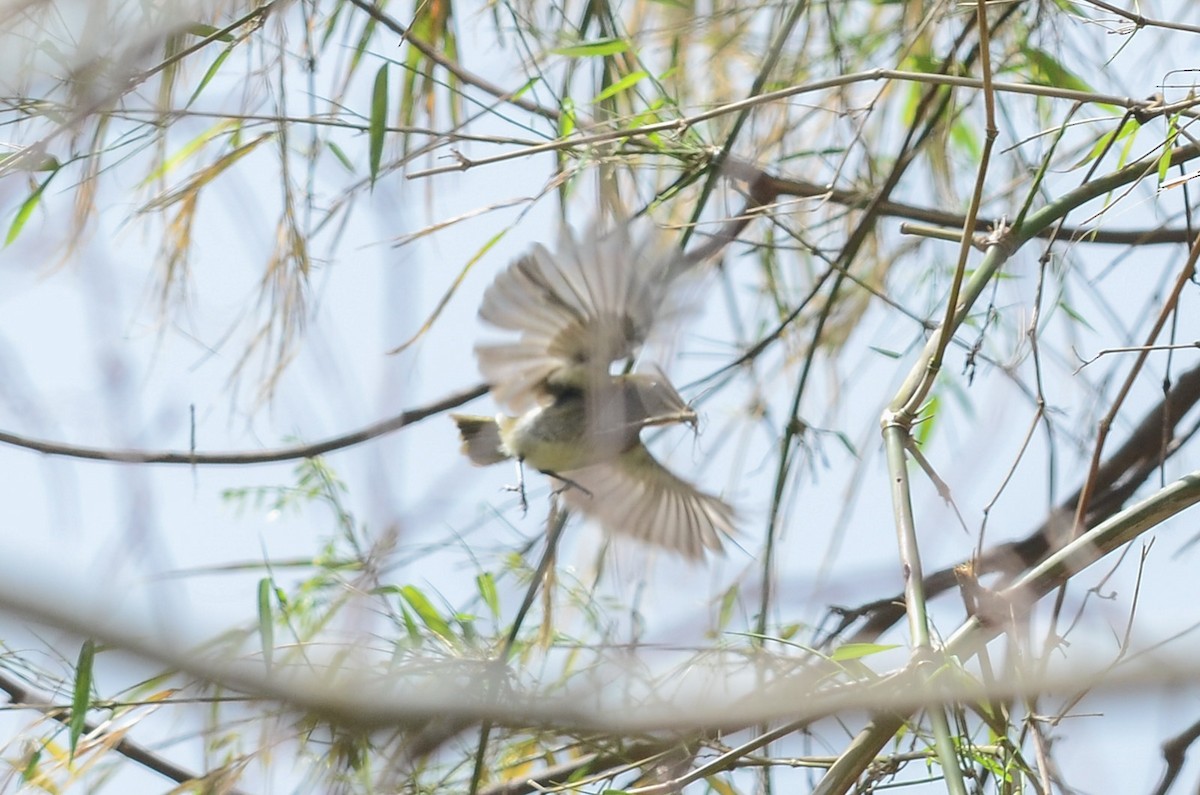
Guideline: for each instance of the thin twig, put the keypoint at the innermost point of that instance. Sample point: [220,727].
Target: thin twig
[678,125]
[237,458]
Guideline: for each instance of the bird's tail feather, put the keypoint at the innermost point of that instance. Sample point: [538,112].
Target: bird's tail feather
[480,439]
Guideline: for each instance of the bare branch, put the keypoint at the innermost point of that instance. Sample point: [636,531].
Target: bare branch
[234,458]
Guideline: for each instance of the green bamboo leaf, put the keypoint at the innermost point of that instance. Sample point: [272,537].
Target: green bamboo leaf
[728,602]
[418,70]
[377,127]
[1075,315]
[209,74]
[25,160]
[719,785]
[924,429]
[188,149]
[466,623]
[331,23]
[1127,150]
[207,175]
[523,90]
[1047,70]
[30,771]
[624,84]
[652,115]
[1164,160]
[341,156]
[410,626]
[856,651]
[450,47]
[202,31]
[81,697]
[486,584]
[26,209]
[845,440]
[963,136]
[360,47]
[1106,141]
[590,49]
[266,621]
[445,300]
[425,611]
[566,122]
[993,766]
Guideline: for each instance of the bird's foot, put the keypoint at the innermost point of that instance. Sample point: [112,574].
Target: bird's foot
[520,490]
[520,487]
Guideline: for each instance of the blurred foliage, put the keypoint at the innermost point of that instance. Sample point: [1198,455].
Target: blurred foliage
[697,113]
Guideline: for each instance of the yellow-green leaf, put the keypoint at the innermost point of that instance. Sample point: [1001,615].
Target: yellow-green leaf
[728,602]
[189,149]
[625,83]
[26,209]
[487,591]
[924,429]
[437,310]
[566,121]
[425,610]
[856,651]
[590,49]
[1164,160]
[1105,142]
[208,32]
[202,178]
[720,785]
[523,90]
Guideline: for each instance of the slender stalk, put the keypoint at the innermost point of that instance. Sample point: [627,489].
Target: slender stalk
[555,524]
[895,437]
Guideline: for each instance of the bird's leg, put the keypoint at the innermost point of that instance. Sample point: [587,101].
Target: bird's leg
[567,483]
[520,487]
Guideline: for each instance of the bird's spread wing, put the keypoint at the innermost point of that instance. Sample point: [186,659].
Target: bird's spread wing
[637,496]
[575,311]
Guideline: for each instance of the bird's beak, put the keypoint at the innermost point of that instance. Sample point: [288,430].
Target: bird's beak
[687,417]
[652,401]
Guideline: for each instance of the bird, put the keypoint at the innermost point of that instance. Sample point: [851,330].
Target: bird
[576,313]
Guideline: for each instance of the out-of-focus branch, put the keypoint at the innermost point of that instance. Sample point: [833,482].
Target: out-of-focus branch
[20,696]
[1151,443]
[801,188]
[1174,751]
[263,457]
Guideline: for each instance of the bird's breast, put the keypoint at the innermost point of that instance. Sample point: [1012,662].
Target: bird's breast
[562,437]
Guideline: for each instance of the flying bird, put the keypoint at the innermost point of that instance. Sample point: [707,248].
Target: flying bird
[575,313]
